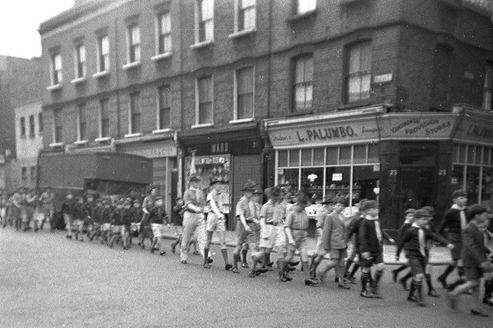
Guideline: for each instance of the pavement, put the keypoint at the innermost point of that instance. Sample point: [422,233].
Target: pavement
[438,255]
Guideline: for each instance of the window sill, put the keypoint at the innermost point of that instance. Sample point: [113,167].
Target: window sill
[243,120]
[80,142]
[57,145]
[205,125]
[202,44]
[239,34]
[54,87]
[301,16]
[131,65]
[103,139]
[101,74]
[161,56]
[161,131]
[79,80]
[132,135]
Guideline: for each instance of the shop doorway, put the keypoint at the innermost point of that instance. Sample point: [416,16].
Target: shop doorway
[418,188]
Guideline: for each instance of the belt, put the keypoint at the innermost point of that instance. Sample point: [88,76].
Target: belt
[272,223]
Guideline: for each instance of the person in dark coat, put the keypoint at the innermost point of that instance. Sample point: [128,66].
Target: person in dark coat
[475,259]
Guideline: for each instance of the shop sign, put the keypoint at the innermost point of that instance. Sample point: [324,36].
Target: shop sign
[237,147]
[418,126]
[382,78]
[154,150]
[326,133]
[475,129]
[336,176]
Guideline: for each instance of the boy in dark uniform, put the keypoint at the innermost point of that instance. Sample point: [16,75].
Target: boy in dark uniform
[415,242]
[475,257]
[408,221]
[96,214]
[87,208]
[118,220]
[66,209]
[353,232]
[158,219]
[178,222]
[106,215]
[371,237]
[455,220]
[136,215]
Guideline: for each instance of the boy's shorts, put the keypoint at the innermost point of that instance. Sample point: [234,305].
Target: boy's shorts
[418,265]
[338,254]
[273,236]
[156,229]
[215,223]
[375,258]
[105,227]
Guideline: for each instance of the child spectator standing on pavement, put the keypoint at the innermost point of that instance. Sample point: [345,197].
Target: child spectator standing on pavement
[371,237]
[455,220]
[475,259]
[295,226]
[66,209]
[408,221]
[415,241]
[334,242]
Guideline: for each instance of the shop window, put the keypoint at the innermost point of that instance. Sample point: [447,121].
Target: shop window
[318,156]
[462,154]
[365,182]
[471,154]
[337,181]
[479,155]
[472,184]
[345,155]
[306,157]
[487,187]
[332,156]
[360,154]
[373,154]
[289,177]
[283,158]
[294,158]
[358,72]
[487,156]
[312,181]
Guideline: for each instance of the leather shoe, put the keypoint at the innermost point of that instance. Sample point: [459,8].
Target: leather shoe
[251,274]
[282,277]
[235,270]
[433,293]
[207,266]
[183,262]
[479,313]
[162,252]
[245,265]
[312,282]
[343,286]
[288,277]
[366,294]
[412,299]
[294,263]
[261,270]
[228,267]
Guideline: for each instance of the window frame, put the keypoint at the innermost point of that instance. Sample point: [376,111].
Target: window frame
[160,108]
[302,58]
[101,56]
[24,173]
[58,125]
[198,102]
[80,61]
[237,95]
[32,127]
[199,21]
[133,49]
[488,87]
[131,128]
[161,35]
[359,74]
[238,28]
[81,124]
[102,118]
[56,73]
[33,173]
[22,125]
[296,7]
[40,122]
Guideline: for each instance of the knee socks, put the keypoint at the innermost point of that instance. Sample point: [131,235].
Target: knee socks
[224,251]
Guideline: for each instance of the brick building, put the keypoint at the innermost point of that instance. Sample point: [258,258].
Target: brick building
[384,99]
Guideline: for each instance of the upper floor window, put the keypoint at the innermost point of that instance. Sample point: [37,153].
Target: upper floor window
[204,110]
[24,173]
[81,122]
[58,132]
[103,53]
[246,15]
[244,93]
[205,21]
[303,83]
[104,127]
[488,87]
[304,6]
[164,33]
[40,122]
[359,72]
[32,126]
[56,69]
[133,43]
[23,127]
[33,173]
[135,113]
[80,61]
[164,118]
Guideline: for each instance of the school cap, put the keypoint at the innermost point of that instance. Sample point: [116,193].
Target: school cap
[249,186]
[368,205]
[429,209]
[194,178]
[421,213]
[476,209]
[217,180]
[273,192]
[151,188]
[459,193]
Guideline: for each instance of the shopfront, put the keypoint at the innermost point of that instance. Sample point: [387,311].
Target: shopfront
[235,156]
[402,160]
[164,163]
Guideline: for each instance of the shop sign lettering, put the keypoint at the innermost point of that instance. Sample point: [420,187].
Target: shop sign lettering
[420,127]
[480,131]
[220,148]
[326,133]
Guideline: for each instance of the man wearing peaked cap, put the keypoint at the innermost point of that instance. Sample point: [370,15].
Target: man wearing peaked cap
[454,220]
[216,221]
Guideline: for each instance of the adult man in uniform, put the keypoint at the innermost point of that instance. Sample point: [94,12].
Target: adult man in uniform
[193,218]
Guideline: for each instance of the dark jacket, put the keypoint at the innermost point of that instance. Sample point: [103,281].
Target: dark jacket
[106,214]
[368,238]
[451,221]
[410,241]
[158,215]
[67,206]
[474,251]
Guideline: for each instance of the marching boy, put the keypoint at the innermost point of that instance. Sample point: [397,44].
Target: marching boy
[158,218]
[295,226]
[415,241]
[78,217]
[118,221]
[87,208]
[371,237]
[96,215]
[106,216]
[66,210]
[136,213]
[177,222]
